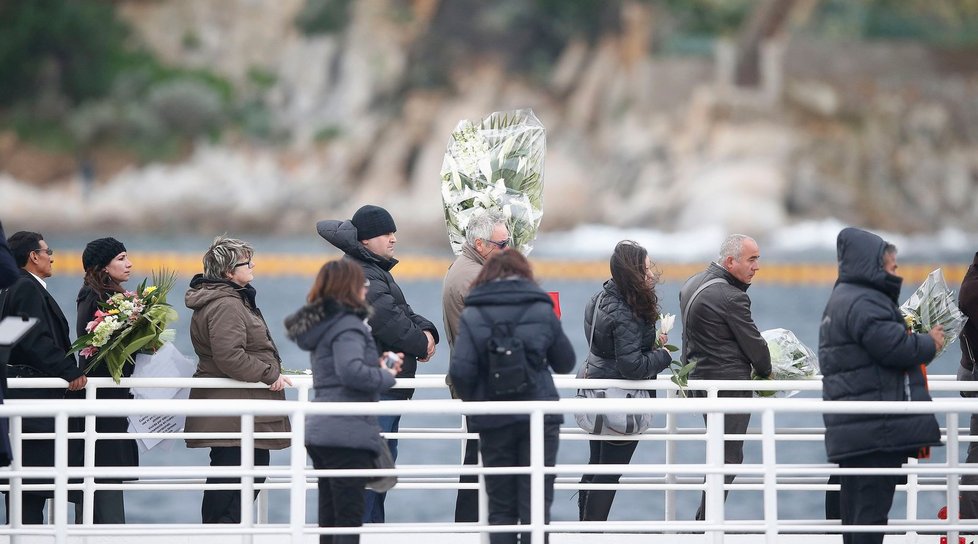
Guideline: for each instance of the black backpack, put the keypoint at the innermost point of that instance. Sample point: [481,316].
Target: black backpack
[510,373]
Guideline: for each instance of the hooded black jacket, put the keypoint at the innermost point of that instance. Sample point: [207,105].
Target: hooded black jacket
[866,353]
[524,303]
[395,326]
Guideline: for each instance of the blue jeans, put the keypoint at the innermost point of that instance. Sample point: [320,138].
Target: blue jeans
[373,507]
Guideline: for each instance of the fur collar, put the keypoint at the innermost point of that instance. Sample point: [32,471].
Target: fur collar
[317,312]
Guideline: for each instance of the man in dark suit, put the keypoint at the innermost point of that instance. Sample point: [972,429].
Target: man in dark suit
[41,353]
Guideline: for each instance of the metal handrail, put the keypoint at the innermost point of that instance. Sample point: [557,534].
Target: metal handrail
[767,476]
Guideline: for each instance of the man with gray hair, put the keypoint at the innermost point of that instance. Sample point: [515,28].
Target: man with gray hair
[719,335]
[485,235]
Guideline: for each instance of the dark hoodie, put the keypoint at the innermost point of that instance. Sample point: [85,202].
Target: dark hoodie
[547,347]
[865,353]
[394,324]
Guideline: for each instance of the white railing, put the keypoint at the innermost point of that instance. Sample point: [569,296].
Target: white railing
[768,475]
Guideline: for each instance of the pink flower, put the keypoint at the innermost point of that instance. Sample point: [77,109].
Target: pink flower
[89,351]
[91,325]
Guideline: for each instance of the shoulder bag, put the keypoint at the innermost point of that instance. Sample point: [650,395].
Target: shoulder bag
[610,424]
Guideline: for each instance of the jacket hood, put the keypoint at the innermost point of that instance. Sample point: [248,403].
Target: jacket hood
[860,256]
[506,292]
[343,236]
[305,326]
[203,291]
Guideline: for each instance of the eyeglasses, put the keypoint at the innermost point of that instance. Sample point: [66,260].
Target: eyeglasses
[500,245]
[47,250]
[249,264]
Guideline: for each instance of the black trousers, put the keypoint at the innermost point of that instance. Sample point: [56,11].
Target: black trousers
[866,500]
[733,450]
[509,446]
[467,500]
[969,499]
[595,504]
[340,499]
[224,505]
[31,507]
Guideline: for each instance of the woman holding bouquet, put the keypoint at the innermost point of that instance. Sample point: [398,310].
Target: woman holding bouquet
[345,368]
[107,267]
[232,340]
[620,325]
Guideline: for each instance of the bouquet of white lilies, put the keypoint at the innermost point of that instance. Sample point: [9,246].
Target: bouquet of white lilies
[933,304]
[496,164]
[790,360]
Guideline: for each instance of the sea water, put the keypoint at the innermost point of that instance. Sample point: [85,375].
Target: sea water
[797,308]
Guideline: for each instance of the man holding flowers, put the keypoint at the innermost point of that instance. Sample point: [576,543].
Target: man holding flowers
[867,353]
[720,337]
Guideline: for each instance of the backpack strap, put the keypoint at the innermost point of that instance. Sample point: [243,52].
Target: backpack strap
[594,321]
[689,304]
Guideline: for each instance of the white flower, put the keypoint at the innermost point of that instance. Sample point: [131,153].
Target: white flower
[666,322]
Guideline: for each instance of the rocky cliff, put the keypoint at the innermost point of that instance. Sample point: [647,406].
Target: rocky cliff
[883,136]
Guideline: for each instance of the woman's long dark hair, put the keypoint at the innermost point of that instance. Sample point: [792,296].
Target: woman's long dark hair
[99,281]
[628,271]
[340,280]
[504,264]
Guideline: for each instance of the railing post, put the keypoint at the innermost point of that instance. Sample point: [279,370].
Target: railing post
[671,429]
[714,481]
[713,513]
[297,490]
[15,510]
[88,492]
[61,478]
[769,459]
[953,479]
[537,465]
[248,481]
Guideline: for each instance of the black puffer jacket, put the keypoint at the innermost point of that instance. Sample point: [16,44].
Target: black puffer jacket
[517,301]
[394,324]
[968,303]
[865,353]
[623,345]
[345,368]
[720,334]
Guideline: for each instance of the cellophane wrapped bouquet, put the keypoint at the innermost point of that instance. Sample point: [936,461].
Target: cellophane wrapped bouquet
[790,360]
[495,164]
[127,323]
[933,304]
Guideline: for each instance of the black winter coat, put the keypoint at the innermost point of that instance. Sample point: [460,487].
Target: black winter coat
[968,303]
[623,344]
[523,303]
[720,334]
[866,353]
[8,266]
[42,352]
[108,453]
[394,324]
[345,368]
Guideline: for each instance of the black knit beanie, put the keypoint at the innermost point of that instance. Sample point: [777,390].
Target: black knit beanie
[99,253]
[372,221]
